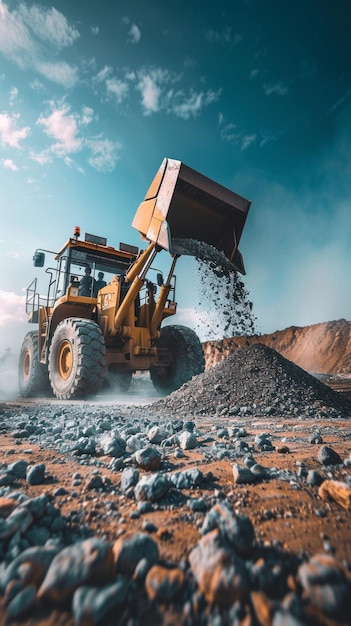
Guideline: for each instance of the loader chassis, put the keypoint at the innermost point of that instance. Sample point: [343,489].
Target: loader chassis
[106,333]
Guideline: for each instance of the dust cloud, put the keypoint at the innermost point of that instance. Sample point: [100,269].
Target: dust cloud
[8,375]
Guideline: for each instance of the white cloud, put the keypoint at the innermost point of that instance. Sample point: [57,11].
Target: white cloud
[87,116]
[225,36]
[340,101]
[266,137]
[66,128]
[247,140]
[59,72]
[134,34]
[43,158]
[10,134]
[117,88]
[103,74]
[157,92]
[104,153]
[61,125]
[37,85]
[12,307]
[253,73]
[95,30]
[8,164]
[48,25]
[13,95]
[231,134]
[29,35]
[280,89]
[191,105]
[150,86]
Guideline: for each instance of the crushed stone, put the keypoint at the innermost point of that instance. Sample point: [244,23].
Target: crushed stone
[255,380]
[228,308]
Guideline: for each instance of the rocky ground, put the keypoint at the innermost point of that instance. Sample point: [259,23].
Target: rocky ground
[228,502]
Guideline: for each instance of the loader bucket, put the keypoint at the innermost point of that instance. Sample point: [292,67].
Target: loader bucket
[182,204]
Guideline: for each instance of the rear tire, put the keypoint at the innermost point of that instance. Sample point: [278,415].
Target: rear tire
[77,359]
[33,378]
[187,358]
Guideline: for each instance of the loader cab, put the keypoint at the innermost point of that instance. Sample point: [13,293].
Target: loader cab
[92,256]
[68,266]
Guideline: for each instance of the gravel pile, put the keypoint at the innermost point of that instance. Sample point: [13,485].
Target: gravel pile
[255,380]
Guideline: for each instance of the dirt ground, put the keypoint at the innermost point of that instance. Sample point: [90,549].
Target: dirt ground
[293,515]
[294,522]
[297,518]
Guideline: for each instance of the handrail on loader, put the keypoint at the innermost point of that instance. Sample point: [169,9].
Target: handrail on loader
[181,204]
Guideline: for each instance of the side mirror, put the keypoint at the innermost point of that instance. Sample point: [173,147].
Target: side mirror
[39,259]
[159,279]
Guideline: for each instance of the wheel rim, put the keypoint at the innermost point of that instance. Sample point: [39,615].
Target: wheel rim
[64,360]
[26,364]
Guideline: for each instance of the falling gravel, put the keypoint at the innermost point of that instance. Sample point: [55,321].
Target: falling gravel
[224,308]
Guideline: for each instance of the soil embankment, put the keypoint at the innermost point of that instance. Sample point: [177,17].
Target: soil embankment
[320,348]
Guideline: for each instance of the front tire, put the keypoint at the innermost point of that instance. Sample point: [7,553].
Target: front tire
[77,359]
[187,358]
[33,379]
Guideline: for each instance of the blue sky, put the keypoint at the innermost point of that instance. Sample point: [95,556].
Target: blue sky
[252,93]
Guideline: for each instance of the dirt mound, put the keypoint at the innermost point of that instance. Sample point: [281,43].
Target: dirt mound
[256,380]
[320,348]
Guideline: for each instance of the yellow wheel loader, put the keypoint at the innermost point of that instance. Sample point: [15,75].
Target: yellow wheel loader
[103,313]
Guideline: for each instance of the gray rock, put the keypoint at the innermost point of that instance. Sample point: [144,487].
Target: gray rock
[129,551]
[236,529]
[328,456]
[130,477]
[134,443]
[197,505]
[148,458]
[114,446]
[163,583]
[22,602]
[220,574]
[187,440]
[157,434]
[152,488]
[327,584]
[315,438]
[92,604]
[94,481]
[76,565]
[187,479]
[16,523]
[34,557]
[284,618]
[244,475]
[18,468]
[6,479]
[85,445]
[314,478]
